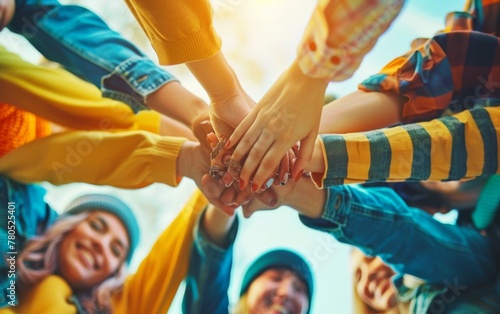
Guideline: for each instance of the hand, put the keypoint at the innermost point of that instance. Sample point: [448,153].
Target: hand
[303,196]
[289,113]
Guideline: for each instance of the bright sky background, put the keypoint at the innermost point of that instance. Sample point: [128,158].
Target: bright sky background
[259,40]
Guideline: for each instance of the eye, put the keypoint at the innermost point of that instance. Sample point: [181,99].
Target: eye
[299,287]
[96,225]
[116,250]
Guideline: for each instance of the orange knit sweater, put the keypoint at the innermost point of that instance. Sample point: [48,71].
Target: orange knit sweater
[18,127]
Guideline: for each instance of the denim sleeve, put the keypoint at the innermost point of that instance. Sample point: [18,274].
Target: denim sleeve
[209,274]
[85,45]
[377,221]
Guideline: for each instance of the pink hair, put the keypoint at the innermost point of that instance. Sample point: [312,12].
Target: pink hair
[39,260]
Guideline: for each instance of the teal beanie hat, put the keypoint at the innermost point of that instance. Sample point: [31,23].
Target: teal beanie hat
[279,259]
[112,205]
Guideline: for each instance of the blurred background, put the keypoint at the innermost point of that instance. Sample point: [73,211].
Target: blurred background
[259,41]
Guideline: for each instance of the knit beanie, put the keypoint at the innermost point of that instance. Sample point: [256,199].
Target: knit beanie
[112,205]
[279,259]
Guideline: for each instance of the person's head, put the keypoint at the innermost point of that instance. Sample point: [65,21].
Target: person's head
[373,292]
[279,281]
[88,245]
[7,8]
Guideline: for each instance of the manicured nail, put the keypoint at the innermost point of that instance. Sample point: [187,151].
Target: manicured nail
[268,183]
[227,145]
[299,175]
[286,178]
[241,184]
[255,187]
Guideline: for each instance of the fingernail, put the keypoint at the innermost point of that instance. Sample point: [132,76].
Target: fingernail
[299,175]
[241,184]
[227,145]
[286,178]
[268,183]
[255,187]
[208,139]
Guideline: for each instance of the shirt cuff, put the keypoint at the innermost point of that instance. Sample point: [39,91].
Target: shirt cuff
[207,248]
[335,213]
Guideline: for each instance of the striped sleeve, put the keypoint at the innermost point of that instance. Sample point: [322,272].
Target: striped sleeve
[461,146]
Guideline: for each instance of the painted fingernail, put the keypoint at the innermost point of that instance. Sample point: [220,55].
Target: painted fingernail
[269,183]
[255,187]
[241,184]
[227,145]
[286,178]
[299,175]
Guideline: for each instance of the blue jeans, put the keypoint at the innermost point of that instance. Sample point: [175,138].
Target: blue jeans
[379,222]
[84,44]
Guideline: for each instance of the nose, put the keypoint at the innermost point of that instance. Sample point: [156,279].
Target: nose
[285,289]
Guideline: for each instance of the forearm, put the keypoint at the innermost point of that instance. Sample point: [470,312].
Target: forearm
[462,146]
[216,226]
[355,112]
[176,102]
[216,76]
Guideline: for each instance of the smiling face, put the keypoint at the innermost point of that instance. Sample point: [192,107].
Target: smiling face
[6,12]
[93,251]
[277,291]
[372,280]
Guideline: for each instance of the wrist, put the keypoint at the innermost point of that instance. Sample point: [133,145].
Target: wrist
[216,225]
[176,102]
[216,76]
[317,163]
[185,160]
[307,199]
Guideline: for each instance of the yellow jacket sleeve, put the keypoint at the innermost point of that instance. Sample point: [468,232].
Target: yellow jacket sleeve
[128,159]
[180,31]
[152,288]
[62,98]
[51,295]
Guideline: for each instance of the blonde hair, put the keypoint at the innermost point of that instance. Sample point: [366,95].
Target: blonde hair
[242,306]
[38,260]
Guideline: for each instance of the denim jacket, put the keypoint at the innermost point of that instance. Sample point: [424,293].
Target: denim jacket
[447,257]
[84,44]
[24,208]
[209,274]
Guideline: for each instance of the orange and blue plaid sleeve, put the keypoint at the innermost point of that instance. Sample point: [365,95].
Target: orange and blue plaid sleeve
[340,33]
[449,73]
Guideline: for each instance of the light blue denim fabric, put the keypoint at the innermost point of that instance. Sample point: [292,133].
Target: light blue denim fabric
[209,274]
[408,239]
[84,44]
[31,216]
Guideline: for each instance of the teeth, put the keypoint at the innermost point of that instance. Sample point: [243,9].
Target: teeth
[88,257]
[279,308]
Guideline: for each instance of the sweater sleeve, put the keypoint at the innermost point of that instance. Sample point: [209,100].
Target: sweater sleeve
[59,97]
[152,288]
[340,33]
[129,159]
[461,146]
[180,31]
